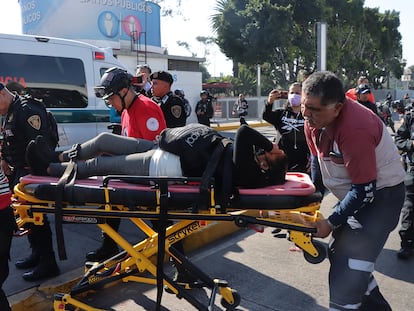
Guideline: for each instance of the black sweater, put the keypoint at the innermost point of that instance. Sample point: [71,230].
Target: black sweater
[247,172]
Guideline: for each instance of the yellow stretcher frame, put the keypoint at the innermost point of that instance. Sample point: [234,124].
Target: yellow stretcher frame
[131,264]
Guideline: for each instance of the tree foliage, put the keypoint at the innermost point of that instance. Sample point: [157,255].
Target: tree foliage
[281,36]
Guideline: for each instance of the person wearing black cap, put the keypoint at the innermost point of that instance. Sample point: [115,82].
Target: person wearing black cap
[363,92]
[25,119]
[171,105]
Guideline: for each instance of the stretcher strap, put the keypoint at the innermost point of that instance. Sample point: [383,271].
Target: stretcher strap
[163,188]
[210,171]
[67,179]
[212,165]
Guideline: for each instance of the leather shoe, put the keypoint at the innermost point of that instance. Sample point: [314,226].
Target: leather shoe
[27,263]
[405,253]
[46,268]
[39,273]
[102,253]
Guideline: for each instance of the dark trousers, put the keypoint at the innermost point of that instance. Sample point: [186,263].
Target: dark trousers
[7,226]
[354,250]
[407,213]
[40,237]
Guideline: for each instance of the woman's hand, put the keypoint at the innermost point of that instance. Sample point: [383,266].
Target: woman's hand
[273,95]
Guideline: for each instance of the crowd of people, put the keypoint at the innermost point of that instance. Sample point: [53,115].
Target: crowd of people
[316,135]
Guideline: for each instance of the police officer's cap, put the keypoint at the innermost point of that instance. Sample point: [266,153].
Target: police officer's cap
[163,76]
[179,92]
[113,80]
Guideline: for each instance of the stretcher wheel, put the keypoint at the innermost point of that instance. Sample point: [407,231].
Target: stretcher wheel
[236,302]
[320,247]
[240,222]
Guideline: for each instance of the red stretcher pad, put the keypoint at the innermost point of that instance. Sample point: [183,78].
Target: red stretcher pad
[297,191]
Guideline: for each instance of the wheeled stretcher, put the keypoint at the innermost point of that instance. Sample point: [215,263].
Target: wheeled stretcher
[292,206]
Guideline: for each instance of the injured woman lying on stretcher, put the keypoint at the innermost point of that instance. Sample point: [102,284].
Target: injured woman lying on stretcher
[195,150]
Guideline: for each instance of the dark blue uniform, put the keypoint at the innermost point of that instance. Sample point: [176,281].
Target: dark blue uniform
[173,108]
[404,140]
[204,111]
[25,120]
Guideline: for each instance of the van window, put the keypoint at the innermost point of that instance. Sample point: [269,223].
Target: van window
[59,81]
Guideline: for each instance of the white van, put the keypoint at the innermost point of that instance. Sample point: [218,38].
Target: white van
[63,73]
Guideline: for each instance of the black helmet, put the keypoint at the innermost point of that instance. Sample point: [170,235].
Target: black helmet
[203,92]
[113,80]
[179,92]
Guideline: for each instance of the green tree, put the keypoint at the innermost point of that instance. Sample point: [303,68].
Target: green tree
[281,33]
[363,41]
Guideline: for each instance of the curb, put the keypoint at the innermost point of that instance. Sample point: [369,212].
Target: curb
[228,126]
[41,297]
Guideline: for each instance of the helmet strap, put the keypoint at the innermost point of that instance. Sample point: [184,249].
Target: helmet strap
[123,100]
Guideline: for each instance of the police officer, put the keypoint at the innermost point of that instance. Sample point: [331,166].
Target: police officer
[25,119]
[172,106]
[204,108]
[404,139]
[187,106]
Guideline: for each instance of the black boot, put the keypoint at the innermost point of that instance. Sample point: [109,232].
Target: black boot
[45,152]
[105,251]
[37,165]
[243,121]
[28,262]
[46,268]
[405,253]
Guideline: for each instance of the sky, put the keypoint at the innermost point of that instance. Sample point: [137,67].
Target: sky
[195,22]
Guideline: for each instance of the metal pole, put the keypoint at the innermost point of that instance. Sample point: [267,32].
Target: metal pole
[321,45]
[258,90]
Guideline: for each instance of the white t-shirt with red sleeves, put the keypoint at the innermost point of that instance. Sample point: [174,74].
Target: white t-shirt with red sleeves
[355,149]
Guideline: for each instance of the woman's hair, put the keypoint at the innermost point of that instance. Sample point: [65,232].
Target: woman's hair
[276,174]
